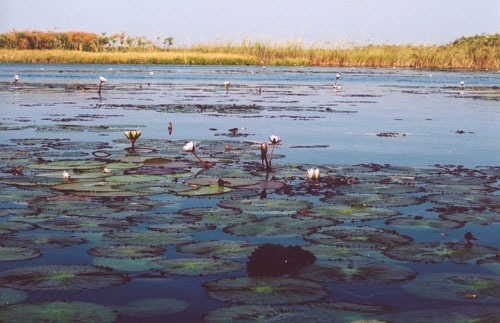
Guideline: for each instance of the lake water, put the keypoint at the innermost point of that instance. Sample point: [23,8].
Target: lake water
[409,163]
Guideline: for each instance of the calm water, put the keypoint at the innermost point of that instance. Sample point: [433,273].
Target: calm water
[409,119]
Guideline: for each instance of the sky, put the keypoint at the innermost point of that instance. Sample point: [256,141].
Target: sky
[309,22]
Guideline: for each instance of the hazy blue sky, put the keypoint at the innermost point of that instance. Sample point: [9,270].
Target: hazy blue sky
[310,21]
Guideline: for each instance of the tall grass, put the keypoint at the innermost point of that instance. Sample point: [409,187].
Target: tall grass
[478,52]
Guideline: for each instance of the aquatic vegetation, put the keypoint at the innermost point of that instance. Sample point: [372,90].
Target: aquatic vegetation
[313,173]
[57,311]
[18,253]
[435,252]
[468,288]
[360,237]
[9,296]
[275,226]
[60,278]
[196,266]
[218,248]
[150,307]
[267,207]
[419,222]
[274,260]
[131,135]
[265,291]
[353,273]
[126,251]
[353,212]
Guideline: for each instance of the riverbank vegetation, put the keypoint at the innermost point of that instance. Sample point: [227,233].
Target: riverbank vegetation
[480,52]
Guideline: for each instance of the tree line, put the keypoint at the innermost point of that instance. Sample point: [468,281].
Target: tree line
[81,41]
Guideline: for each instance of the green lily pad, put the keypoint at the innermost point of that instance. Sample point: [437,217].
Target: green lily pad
[197,266]
[126,251]
[63,165]
[467,200]
[348,253]
[465,313]
[94,188]
[18,253]
[318,312]
[14,226]
[360,237]
[267,207]
[57,312]
[204,191]
[60,278]
[378,188]
[463,287]
[471,216]
[147,238]
[265,291]
[84,224]
[127,264]
[217,216]
[149,307]
[435,252]
[276,226]
[219,248]
[228,181]
[423,223]
[373,200]
[350,213]
[363,273]
[9,296]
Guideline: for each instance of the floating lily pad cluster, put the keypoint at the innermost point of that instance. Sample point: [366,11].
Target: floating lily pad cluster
[85,219]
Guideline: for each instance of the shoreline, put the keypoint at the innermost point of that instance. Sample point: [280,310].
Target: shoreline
[431,58]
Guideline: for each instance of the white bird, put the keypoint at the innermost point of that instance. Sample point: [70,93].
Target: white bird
[337,77]
[16,79]
[102,79]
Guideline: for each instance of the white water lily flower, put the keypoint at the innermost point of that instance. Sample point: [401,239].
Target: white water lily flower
[102,79]
[66,175]
[189,146]
[313,173]
[274,139]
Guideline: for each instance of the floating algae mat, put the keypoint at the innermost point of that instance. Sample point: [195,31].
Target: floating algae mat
[109,213]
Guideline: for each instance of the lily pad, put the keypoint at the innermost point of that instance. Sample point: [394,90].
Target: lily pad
[197,266]
[149,307]
[265,291]
[84,224]
[219,248]
[434,252]
[469,288]
[360,237]
[9,296]
[127,264]
[423,223]
[350,213]
[126,251]
[63,165]
[57,312]
[217,216]
[44,241]
[352,273]
[267,207]
[227,181]
[276,226]
[60,278]
[18,253]
[148,238]
[373,200]
[467,200]
[204,191]
[471,216]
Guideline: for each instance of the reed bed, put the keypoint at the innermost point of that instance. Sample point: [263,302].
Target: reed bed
[478,53]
